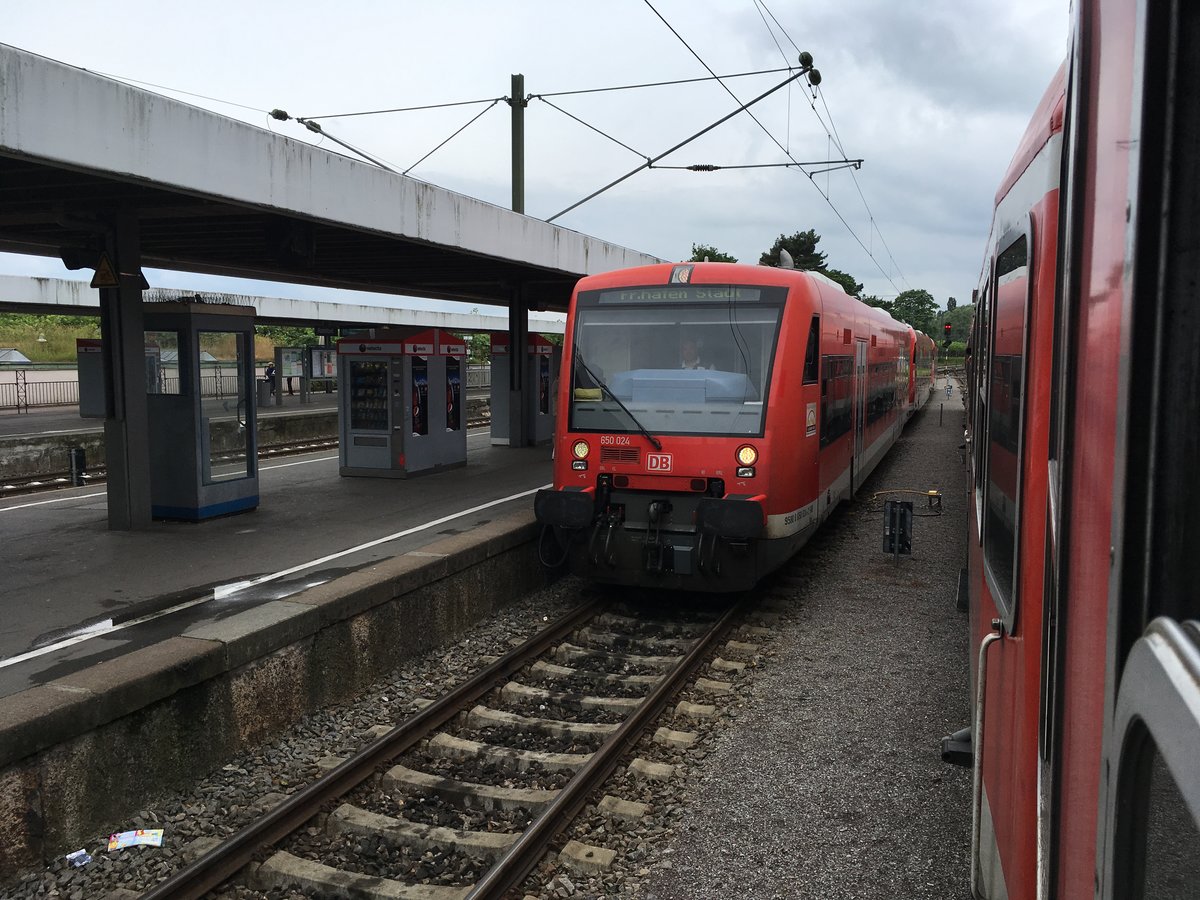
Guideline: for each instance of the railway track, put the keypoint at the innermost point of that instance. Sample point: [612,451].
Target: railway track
[16,487]
[510,757]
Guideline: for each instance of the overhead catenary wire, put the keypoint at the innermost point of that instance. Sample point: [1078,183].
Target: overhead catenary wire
[617,87]
[651,84]
[468,124]
[163,87]
[589,125]
[832,132]
[775,140]
[683,143]
[862,196]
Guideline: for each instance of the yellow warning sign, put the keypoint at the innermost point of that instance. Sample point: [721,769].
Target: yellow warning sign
[106,276]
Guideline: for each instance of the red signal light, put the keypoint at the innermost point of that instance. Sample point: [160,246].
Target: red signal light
[946,328]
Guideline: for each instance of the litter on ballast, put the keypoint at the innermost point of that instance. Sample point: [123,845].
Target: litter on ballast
[151,837]
[79,858]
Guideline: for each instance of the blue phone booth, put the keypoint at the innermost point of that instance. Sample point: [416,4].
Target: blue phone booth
[200,408]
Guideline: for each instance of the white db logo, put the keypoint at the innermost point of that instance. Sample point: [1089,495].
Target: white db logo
[658,462]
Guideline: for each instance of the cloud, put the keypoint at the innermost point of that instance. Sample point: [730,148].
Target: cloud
[934,97]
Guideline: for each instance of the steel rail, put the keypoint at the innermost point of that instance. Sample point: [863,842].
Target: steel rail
[528,850]
[226,860]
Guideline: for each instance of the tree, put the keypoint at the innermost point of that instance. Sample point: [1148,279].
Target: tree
[479,347]
[872,300]
[803,247]
[288,335]
[950,304]
[701,252]
[960,321]
[917,308]
[845,279]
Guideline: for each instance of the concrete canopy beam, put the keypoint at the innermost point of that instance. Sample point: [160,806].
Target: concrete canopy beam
[286,210]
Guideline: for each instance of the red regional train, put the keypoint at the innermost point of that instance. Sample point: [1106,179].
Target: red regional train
[715,414]
[1084,539]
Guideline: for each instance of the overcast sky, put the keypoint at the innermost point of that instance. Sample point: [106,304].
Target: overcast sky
[932,95]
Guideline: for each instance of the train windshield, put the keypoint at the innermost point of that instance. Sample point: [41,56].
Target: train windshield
[683,359]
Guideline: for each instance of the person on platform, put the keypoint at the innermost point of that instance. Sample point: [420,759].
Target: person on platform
[269,374]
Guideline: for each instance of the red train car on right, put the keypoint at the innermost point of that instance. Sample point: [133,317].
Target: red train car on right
[1084,454]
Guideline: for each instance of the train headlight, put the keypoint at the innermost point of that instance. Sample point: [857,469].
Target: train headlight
[747,455]
[580,449]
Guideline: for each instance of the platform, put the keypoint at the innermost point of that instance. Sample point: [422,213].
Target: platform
[72,589]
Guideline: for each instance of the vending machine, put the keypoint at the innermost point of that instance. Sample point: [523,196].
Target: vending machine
[542,359]
[401,402]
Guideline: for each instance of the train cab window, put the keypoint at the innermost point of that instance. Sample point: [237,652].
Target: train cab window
[1005,420]
[812,353]
[692,359]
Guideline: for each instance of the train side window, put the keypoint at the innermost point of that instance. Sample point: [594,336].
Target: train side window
[837,375]
[812,353]
[1005,421]
[979,419]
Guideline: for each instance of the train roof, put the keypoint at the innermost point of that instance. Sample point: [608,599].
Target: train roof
[1046,122]
[709,273]
[738,273]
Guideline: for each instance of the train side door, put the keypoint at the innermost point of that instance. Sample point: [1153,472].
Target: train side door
[860,407]
[1150,774]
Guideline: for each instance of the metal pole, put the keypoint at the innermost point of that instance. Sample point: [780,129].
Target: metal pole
[518,103]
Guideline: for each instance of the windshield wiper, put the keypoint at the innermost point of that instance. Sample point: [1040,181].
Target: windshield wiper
[604,387]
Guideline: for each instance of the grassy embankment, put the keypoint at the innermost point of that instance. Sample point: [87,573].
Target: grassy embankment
[23,332]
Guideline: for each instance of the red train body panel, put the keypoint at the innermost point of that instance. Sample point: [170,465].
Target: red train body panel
[713,360]
[1082,562]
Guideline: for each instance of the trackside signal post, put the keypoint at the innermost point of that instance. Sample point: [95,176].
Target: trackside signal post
[402,402]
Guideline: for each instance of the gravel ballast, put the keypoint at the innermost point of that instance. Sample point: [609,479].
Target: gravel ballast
[828,782]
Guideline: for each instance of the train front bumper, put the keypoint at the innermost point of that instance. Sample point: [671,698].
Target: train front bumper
[666,540]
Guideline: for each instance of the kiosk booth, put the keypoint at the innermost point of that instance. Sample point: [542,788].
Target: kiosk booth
[542,360]
[401,402]
[200,408]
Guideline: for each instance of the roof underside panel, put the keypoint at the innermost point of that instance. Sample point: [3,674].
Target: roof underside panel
[215,195]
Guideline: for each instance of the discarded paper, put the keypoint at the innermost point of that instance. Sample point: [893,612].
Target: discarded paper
[150,836]
[79,858]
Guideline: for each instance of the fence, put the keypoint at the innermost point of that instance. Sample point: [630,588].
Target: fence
[25,394]
[479,377]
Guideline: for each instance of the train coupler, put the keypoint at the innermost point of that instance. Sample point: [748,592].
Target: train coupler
[658,555]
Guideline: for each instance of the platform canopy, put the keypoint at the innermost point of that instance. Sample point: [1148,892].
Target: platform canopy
[215,195]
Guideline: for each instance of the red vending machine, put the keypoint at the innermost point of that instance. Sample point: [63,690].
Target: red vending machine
[542,360]
[401,404]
